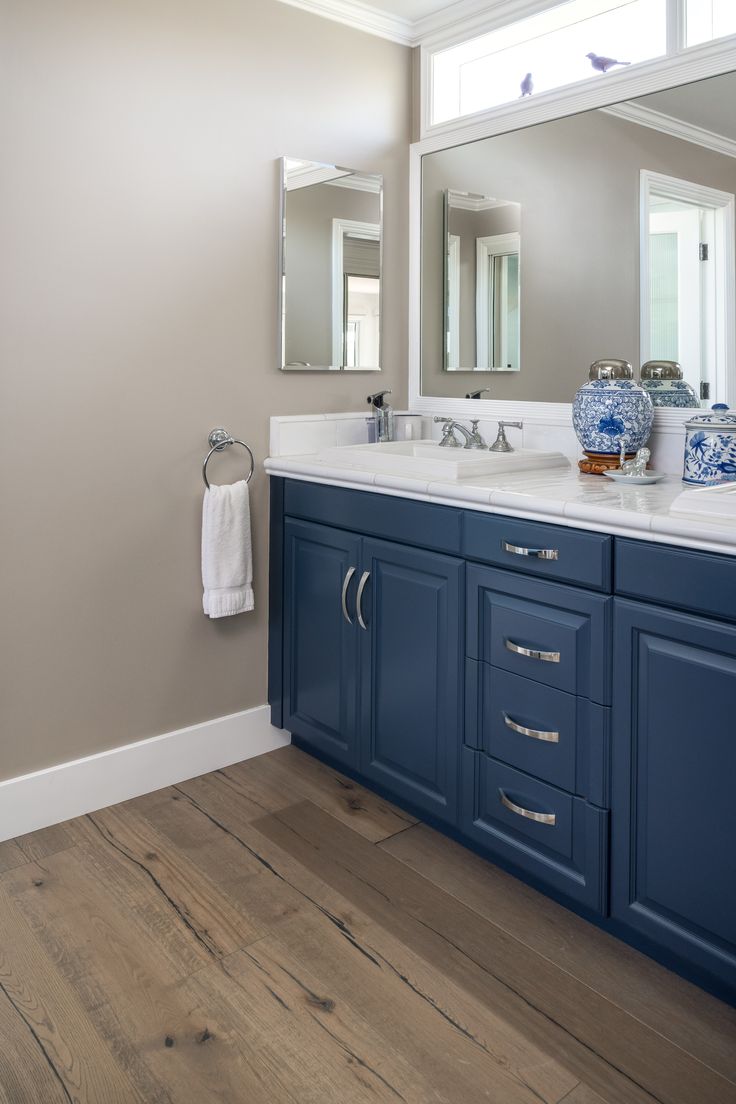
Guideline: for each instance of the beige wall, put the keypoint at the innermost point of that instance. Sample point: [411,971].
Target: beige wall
[139,226]
[577,181]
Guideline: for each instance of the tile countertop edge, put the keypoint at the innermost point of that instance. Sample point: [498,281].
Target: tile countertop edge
[655,528]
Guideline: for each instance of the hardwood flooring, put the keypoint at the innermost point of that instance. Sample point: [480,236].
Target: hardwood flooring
[273,932]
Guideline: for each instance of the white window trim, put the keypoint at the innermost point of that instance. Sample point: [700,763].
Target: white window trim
[452,336]
[697,63]
[371,231]
[495,246]
[724,206]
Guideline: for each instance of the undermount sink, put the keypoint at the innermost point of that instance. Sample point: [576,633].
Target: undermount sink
[427,458]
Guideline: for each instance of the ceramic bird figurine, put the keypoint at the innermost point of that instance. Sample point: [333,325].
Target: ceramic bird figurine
[527,86]
[602,64]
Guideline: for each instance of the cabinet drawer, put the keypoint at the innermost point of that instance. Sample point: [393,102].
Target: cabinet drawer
[375,515]
[551,634]
[547,733]
[677,577]
[548,551]
[566,849]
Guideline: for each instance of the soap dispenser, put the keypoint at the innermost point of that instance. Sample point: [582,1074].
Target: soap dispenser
[383,416]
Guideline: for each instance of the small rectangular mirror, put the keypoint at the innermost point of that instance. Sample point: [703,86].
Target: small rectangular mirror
[331,257]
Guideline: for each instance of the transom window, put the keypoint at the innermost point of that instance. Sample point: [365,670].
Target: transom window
[564,44]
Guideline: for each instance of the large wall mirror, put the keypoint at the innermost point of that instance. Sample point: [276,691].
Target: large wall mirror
[608,233]
[331,252]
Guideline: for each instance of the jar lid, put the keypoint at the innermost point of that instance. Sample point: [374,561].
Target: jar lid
[661,370]
[718,417]
[610,369]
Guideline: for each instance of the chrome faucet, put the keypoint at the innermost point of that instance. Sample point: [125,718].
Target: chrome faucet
[473,439]
[502,444]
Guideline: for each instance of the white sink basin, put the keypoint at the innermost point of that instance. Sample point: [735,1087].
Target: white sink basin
[427,458]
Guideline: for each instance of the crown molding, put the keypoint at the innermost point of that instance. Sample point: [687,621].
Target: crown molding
[676,128]
[453,18]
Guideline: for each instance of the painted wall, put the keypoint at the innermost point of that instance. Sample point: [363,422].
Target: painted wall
[577,181]
[138,216]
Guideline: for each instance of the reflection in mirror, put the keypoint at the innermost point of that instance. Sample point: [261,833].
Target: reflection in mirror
[482,243]
[331,268]
[628,250]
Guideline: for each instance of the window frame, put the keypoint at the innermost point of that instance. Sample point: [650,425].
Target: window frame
[645,73]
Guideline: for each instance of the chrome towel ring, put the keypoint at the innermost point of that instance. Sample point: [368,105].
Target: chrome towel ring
[219,440]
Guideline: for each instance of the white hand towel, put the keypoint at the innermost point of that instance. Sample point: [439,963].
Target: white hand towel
[227,558]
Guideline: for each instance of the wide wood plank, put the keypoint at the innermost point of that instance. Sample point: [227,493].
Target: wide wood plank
[46,841]
[46,1007]
[586,1024]
[11,855]
[285,776]
[689,1017]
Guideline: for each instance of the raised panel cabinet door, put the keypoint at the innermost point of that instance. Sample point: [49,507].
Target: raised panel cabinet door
[411,674]
[321,638]
[674,780]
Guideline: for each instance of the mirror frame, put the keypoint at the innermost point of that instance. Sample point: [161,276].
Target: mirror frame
[712,59]
[281,306]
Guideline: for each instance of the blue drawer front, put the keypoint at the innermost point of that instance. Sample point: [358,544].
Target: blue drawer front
[376,515]
[509,616]
[677,577]
[583,559]
[574,755]
[569,856]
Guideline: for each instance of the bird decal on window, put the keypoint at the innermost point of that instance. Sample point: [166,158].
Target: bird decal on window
[602,64]
[527,86]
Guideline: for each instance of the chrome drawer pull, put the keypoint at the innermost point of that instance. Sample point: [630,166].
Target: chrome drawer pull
[540,818]
[535,733]
[359,600]
[345,584]
[532,653]
[540,553]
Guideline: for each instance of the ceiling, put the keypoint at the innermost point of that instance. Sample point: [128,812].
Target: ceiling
[412,10]
[707,104]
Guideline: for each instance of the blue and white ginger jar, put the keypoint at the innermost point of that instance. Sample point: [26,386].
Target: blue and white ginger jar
[710,447]
[662,380]
[611,406]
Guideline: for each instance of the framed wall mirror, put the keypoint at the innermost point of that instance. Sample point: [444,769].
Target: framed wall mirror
[606,233]
[331,257]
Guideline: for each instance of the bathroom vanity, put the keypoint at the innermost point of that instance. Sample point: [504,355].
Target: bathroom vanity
[557,693]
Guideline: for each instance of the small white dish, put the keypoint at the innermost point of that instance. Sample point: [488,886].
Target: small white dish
[640,480]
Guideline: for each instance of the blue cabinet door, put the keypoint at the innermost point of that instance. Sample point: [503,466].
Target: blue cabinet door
[320,643]
[674,773]
[411,674]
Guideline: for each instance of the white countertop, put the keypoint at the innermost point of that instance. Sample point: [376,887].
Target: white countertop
[560,496]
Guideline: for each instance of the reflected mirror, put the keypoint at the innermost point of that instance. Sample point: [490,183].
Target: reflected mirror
[605,234]
[331,250]
[482,295]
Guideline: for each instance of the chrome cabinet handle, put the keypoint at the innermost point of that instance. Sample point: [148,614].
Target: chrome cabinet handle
[540,553]
[359,600]
[532,653]
[535,733]
[344,598]
[540,818]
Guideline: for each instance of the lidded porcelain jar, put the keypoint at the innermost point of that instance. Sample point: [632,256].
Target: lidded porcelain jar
[609,407]
[710,447]
[663,381]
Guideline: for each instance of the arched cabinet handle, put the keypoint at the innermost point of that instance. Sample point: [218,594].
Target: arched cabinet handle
[532,653]
[535,733]
[345,584]
[540,818]
[538,553]
[359,600]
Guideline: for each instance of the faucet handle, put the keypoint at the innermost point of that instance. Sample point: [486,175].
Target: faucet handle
[502,444]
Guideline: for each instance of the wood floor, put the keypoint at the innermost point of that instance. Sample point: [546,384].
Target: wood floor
[274,933]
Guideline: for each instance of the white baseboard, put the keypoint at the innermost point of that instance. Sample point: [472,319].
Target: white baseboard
[71,789]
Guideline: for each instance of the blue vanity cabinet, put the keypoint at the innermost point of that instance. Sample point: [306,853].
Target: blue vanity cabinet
[674,767]
[321,646]
[412,674]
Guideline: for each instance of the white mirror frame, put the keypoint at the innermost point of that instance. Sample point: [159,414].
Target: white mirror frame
[697,63]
